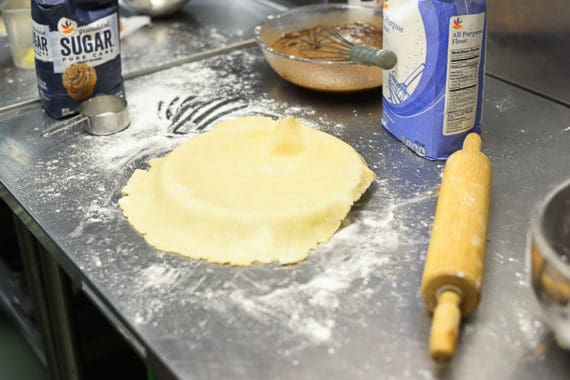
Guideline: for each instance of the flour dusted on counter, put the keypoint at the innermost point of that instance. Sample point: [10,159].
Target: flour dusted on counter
[77,50]
[432,98]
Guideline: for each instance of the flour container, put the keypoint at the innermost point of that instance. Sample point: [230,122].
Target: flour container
[432,98]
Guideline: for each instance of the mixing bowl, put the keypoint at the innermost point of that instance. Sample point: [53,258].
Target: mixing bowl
[313,74]
[549,254]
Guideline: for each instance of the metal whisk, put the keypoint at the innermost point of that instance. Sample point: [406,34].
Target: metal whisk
[333,46]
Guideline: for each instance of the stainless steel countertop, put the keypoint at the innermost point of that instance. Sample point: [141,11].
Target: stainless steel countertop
[353,309]
[534,40]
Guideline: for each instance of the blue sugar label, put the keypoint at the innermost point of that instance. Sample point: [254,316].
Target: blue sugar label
[94,44]
[432,97]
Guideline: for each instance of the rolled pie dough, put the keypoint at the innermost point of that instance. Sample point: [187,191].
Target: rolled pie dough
[250,190]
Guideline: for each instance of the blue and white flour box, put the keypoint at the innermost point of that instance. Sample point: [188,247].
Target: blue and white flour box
[433,97]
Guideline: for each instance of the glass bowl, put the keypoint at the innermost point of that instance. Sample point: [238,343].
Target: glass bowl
[319,75]
[549,256]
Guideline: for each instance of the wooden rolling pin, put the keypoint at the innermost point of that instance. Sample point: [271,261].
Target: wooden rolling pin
[453,271]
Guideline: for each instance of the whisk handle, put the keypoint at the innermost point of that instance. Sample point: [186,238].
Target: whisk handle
[370,56]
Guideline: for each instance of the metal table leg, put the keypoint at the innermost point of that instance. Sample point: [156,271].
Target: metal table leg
[51,290]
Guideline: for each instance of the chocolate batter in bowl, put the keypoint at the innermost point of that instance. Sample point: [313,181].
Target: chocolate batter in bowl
[320,72]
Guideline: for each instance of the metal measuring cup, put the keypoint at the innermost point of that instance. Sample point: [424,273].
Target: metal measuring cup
[100,115]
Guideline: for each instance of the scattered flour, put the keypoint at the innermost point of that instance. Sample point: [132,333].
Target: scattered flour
[349,267]
[531,328]
[506,104]
[157,275]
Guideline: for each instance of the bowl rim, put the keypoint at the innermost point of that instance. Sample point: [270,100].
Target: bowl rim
[544,247]
[289,11]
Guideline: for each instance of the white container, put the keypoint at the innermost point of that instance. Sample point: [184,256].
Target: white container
[17,16]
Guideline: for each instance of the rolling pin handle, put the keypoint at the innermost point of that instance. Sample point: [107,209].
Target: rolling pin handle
[445,326]
[472,142]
